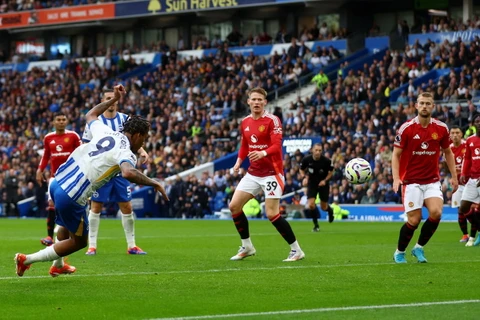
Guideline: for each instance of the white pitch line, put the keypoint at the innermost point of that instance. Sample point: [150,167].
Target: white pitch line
[319,310]
[286,267]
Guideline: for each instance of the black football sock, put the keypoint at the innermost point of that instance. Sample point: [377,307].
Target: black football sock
[50,221]
[241,223]
[471,216]
[428,229]
[330,214]
[314,214]
[462,222]
[406,234]
[284,228]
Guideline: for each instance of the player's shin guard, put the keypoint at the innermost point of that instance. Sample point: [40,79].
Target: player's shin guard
[284,228]
[406,234]
[128,224]
[50,221]
[47,254]
[241,223]
[94,223]
[472,217]
[428,229]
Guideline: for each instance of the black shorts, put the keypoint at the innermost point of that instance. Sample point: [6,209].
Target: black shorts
[323,192]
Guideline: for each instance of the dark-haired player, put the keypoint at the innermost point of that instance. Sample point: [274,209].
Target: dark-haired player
[116,190]
[88,168]
[58,146]
[459,147]
[471,177]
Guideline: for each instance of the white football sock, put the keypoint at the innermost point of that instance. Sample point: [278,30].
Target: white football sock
[59,262]
[93,224]
[128,224]
[295,246]
[247,243]
[47,254]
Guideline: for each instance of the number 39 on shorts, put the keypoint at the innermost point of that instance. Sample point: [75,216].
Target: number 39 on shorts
[271,185]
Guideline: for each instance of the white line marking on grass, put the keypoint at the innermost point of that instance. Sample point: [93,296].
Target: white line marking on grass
[319,310]
[286,267]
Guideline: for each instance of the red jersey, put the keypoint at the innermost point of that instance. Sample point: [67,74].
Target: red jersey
[58,148]
[264,133]
[419,161]
[459,154]
[471,161]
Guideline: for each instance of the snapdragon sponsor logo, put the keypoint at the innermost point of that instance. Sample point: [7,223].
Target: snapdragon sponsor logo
[60,154]
[257,146]
[424,153]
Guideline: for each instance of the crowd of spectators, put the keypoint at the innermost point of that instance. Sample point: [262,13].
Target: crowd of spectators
[365,131]
[189,103]
[375,82]
[447,24]
[195,106]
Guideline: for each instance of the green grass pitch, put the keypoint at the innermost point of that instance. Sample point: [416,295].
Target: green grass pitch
[348,273]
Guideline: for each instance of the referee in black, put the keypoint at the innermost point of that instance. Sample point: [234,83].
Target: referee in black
[317,171]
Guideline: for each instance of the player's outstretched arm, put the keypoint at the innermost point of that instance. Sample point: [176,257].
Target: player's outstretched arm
[119,91]
[133,175]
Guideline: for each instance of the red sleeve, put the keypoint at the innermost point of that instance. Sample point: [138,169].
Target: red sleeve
[46,156]
[446,141]
[467,163]
[78,140]
[243,152]
[401,138]
[276,137]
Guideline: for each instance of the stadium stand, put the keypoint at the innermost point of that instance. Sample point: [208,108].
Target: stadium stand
[195,103]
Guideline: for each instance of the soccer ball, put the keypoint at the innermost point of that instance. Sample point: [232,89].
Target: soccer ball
[358,171]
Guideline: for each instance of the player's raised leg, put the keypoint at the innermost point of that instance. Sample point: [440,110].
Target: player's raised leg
[59,266]
[73,223]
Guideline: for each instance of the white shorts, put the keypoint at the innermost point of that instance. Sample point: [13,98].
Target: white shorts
[414,194]
[48,189]
[457,197]
[272,186]
[471,193]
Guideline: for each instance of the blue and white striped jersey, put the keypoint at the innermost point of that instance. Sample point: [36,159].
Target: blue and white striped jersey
[93,164]
[116,124]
